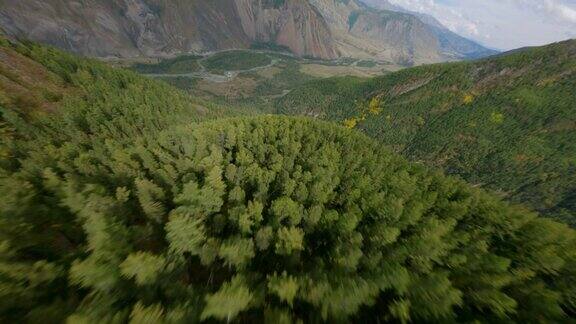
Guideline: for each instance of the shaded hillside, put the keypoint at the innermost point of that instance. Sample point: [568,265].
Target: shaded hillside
[508,123]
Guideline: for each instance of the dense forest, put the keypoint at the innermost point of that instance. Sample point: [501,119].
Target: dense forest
[92,99]
[127,200]
[506,123]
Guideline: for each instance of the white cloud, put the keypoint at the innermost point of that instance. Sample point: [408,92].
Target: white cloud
[503,24]
[561,10]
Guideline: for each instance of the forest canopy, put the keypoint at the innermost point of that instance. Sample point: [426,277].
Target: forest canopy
[268,218]
[124,200]
[506,123]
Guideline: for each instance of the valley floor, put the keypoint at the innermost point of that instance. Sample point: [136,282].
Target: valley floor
[233,75]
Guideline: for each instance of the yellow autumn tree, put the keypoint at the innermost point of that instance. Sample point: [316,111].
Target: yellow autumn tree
[468,98]
[350,122]
[374,106]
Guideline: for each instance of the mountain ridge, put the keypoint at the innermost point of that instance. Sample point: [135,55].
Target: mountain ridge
[161,28]
[456,45]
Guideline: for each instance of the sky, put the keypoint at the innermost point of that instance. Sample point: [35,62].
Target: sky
[502,24]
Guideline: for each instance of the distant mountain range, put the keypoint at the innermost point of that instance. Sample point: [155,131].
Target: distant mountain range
[317,28]
[451,43]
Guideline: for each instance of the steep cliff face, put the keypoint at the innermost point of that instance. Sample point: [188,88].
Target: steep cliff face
[165,27]
[362,31]
[318,28]
[292,23]
[452,45]
[126,27]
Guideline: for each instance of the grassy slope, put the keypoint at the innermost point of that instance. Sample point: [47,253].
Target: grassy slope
[26,84]
[506,123]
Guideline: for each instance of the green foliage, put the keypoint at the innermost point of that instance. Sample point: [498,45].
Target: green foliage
[507,123]
[185,233]
[366,63]
[235,60]
[270,46]
[289,77]
[181,82]
[120,207]
[228,301]
[179,65]
[266,218]
[331,98]
[284,286]
[143,267]
[147,315]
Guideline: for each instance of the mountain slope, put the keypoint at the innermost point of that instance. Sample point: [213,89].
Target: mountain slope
[129,28]
[26,85]
[319,28]
[506,123]
[45,93]
[365,32]
[451,44]
[122,204]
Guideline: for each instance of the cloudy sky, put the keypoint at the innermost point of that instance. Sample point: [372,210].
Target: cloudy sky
[502,24]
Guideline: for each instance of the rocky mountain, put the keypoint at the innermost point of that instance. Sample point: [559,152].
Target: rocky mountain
[362,31]
[451,43]
[128,28]
[318,28]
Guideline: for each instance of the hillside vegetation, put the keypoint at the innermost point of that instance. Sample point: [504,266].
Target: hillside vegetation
[269,218]
[236,60]
[56,95]
[250,77]
[507,123]
[26,85]
[129,201]
[178,65]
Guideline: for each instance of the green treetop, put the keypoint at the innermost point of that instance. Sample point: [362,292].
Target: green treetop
[270,218]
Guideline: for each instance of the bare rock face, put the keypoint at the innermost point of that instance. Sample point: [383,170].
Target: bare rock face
[291,23]
[156,28]
[402,38]
[126,28]
[393,36]
[451,45]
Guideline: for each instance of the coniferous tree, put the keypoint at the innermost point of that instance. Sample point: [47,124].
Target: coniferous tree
[268,218]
